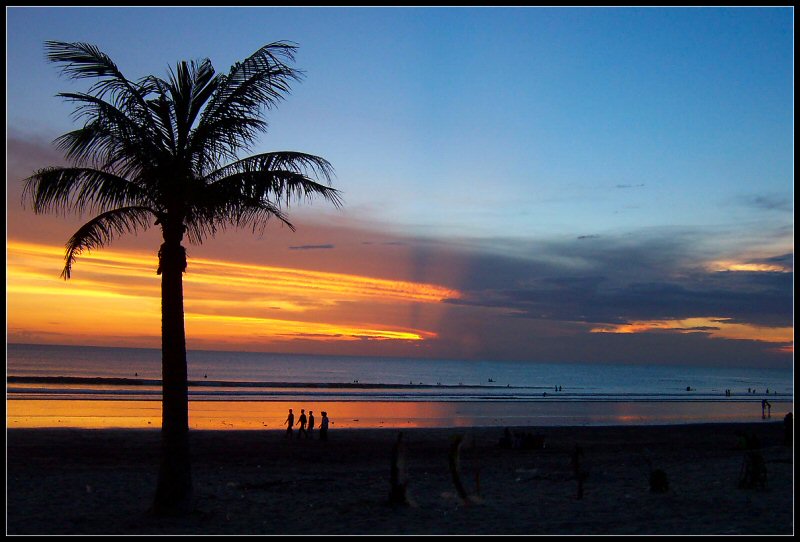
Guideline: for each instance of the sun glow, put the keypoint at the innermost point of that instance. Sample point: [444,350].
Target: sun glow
[117,294]
[715,327]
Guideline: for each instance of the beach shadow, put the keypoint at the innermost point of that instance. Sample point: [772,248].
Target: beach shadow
[753,473]
[398,480]
[454,462]
[579,470]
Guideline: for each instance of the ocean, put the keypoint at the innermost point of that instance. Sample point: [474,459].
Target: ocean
[84,386]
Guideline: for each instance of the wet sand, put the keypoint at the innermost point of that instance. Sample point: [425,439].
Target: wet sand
[82,481]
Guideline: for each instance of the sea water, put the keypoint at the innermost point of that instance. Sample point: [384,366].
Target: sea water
[120,387]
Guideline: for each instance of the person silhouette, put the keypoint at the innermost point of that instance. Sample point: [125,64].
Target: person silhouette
[769,409]
[763,408]
[301,421]
[323,426]
[310,423]
[788,429]
[290,422]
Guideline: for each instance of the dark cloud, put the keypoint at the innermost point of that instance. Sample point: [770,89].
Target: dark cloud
[619,280]
[386,243]
[641,185]
[769,202]
[312,247]
[546,340]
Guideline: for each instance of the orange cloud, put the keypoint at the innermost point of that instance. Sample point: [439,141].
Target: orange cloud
[117,293]
[729,265]
[714,326]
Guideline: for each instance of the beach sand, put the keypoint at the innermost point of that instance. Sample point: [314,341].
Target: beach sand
[76,481]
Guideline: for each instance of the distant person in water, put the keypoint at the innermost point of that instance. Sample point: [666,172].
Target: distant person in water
[310,423]
[290,423]
[323,426]
[301,421]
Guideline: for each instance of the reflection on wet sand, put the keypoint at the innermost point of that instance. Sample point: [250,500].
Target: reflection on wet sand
[266,415]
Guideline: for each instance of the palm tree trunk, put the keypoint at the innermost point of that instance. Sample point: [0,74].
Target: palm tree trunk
[174,491]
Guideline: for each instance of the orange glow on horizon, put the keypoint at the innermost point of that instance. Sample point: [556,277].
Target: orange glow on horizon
[117,294]
[714,326]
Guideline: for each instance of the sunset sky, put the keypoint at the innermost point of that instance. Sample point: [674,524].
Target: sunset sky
[569,185]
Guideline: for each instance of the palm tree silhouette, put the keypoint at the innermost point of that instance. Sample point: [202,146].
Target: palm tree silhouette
[165,152]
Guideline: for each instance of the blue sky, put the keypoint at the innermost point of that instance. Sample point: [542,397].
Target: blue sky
[526,121]
[512,131]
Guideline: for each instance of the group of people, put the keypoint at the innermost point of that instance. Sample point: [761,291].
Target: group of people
[306,425]
[753,390]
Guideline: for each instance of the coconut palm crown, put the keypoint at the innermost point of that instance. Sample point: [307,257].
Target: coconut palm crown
[165,152]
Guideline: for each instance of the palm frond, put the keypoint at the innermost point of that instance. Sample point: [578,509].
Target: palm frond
[229,135]
[80,189]
[253,85]
[101,231]
[190,86]
[277,176]
[84,60]
[206,222]
[162,108]
[110,138]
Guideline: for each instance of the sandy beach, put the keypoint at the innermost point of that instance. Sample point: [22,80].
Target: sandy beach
[77,481]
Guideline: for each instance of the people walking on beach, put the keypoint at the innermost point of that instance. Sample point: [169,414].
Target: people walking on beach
[290,422]
[301,421]
[310,423]
[323,426]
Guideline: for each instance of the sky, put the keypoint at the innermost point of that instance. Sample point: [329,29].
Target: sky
[537,184]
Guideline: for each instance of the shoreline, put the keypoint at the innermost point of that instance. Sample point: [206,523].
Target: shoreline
[100,481]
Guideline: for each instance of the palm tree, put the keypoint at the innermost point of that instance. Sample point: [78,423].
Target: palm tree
[165,152]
